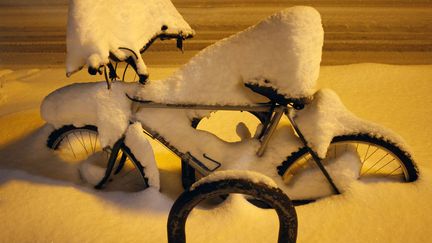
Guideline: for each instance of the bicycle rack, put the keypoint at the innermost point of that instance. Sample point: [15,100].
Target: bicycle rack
[274,197]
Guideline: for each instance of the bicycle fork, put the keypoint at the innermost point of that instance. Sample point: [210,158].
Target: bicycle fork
[313,154]
[111,161]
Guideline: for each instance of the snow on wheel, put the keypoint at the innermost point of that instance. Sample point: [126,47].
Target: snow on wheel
[372,159]
[81,145]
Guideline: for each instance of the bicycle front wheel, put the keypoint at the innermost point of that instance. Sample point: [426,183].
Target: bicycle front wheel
[379,159]
[81,145]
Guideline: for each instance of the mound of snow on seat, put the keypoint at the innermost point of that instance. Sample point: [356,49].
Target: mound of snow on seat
[96,28]
[283,49]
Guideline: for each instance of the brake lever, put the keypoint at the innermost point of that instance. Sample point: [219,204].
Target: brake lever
[179,43]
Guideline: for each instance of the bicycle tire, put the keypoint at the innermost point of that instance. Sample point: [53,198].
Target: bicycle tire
[56,136]
[88,137]
[401,166]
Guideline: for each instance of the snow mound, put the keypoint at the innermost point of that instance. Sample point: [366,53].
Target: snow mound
[327,117]
[252,176]
[83,104]
[309,182]
[96,28]
[138,143]
[91,170]
[283,49]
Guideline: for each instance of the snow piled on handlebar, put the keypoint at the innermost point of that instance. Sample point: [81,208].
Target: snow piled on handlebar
[96,28]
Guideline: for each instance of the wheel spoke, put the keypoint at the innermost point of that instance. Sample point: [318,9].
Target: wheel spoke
[379,158]
[371,154]
[84,143]
[81,142]
[367,151]
[70,145]
[370,168]
[96,141]
[384,165]
[394,171]
[383,158]
[91,142]
[74,144]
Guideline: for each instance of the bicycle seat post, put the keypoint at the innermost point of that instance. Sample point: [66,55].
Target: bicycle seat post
[279,111]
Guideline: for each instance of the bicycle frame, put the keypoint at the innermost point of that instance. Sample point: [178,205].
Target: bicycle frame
[274,110]
[266,133]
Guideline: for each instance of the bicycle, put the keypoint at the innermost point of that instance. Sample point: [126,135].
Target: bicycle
[380,152]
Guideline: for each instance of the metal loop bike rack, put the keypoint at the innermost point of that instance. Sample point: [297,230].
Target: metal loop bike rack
[274,197]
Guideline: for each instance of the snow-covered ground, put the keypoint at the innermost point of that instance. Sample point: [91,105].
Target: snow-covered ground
[43,200]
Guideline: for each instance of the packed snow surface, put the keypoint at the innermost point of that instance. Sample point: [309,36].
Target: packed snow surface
[43,198]
[98,28]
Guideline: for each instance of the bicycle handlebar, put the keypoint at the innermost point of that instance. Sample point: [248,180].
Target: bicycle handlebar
[131,60]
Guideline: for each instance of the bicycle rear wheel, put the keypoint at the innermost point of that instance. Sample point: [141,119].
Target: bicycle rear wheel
[379,159]
[81,145]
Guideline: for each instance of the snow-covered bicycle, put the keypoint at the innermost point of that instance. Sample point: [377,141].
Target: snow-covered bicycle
[268,70]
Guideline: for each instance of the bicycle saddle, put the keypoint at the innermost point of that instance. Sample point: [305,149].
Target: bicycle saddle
[273,95]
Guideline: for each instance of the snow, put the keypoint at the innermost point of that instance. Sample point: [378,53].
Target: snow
[174,126]
[139,144]
[92,169]
[326,117]
[43,198]
[90,104]
[284,49]
[252,176]
[320,121]
[96,28]
[293,36]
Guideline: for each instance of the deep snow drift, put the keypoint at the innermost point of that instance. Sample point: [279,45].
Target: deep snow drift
[44,199]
